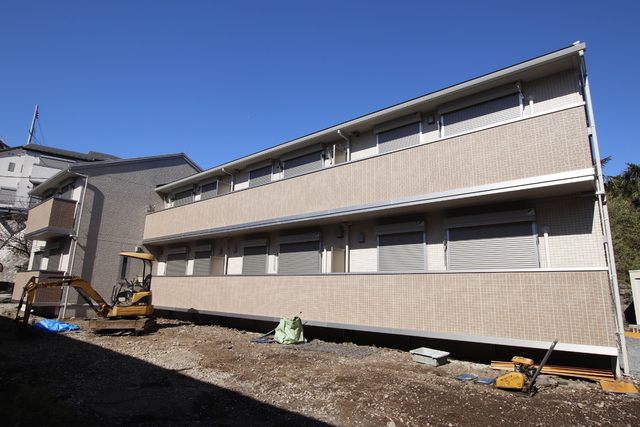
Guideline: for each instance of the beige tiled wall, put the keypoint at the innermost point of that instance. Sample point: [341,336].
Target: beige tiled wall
[541,145]
[573,306]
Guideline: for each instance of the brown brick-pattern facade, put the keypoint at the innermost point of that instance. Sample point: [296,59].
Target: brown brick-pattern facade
[503,153]
[573,306]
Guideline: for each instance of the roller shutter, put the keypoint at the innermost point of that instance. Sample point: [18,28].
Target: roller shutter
[209,190]
[260,176]
[176,264]
[182,198]
[53,262]
[401,252]
[202,263]
[303,164]
[496,246]
[483,114]
[254,260]
[400,137]
[299,258]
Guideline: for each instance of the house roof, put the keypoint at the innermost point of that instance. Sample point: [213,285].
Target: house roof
[554,62]
[77,168]
[91,156]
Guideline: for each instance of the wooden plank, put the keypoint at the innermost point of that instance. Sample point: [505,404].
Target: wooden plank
[567,371]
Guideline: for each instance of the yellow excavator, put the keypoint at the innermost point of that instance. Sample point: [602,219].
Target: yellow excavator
[130,307]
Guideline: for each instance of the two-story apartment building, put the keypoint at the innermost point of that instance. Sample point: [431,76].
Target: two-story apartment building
[473,214]
[90,212]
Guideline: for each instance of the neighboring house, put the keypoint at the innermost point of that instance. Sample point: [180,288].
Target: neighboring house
[471,214]
[22,169]
[89,214]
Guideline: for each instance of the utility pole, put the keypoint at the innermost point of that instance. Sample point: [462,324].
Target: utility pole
[33,125]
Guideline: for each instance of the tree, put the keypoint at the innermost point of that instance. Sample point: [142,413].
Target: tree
[623,201]
[12,226]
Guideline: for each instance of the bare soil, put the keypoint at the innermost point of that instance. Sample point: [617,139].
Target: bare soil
[186,374]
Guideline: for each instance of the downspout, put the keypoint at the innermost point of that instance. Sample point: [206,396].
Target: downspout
[63,312]
[604,218]
[347,256]
[348,145]
[226,256]
[232,179]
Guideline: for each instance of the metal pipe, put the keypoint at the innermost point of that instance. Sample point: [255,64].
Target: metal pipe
[347,256]
[604,219]
[232,178]
[225,267]
[348,145]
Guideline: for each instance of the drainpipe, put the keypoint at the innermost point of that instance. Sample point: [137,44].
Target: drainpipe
[347,256]
[74,237]
[232,179]
[348,145]
[604,218]
[226,256]
[545,230]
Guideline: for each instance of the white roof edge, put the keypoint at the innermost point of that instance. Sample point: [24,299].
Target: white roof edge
[467,85]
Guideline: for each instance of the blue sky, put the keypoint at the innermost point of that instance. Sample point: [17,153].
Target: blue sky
[222,79]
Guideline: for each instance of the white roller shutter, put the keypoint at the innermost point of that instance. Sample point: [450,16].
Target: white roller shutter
[401,252]
[400,137]
[496,246]
[299,258]
[254,260]
[303,164]
[481,115]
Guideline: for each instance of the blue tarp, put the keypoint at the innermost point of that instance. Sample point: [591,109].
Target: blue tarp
[49,325]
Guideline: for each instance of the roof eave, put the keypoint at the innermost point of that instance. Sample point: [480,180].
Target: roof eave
[461,89]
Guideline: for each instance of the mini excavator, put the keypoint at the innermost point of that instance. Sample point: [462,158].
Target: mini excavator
[130,307]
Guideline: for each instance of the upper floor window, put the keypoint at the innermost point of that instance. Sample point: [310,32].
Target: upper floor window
[303,164]
[260,176]
[482,113]
[12,167]
[401,137]
[183,197]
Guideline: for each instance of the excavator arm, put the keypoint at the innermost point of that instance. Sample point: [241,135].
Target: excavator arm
[85,290]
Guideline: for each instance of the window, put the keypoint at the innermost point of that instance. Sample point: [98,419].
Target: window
[401,252]
[254,260]
[208,191]
[482,114]
[53,260]
[492,241]
[400,137]
[303,164]
[7,195]
[299,258]
[182,198]
[12,167]
[176,263]
[260,176]
[202,262]
[37,260]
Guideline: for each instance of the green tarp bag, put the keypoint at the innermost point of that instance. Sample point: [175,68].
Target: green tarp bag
[289,331]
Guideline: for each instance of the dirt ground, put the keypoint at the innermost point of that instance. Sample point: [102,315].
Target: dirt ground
[185,374]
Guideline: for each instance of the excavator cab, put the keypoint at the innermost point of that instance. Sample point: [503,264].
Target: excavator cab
[137,290]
